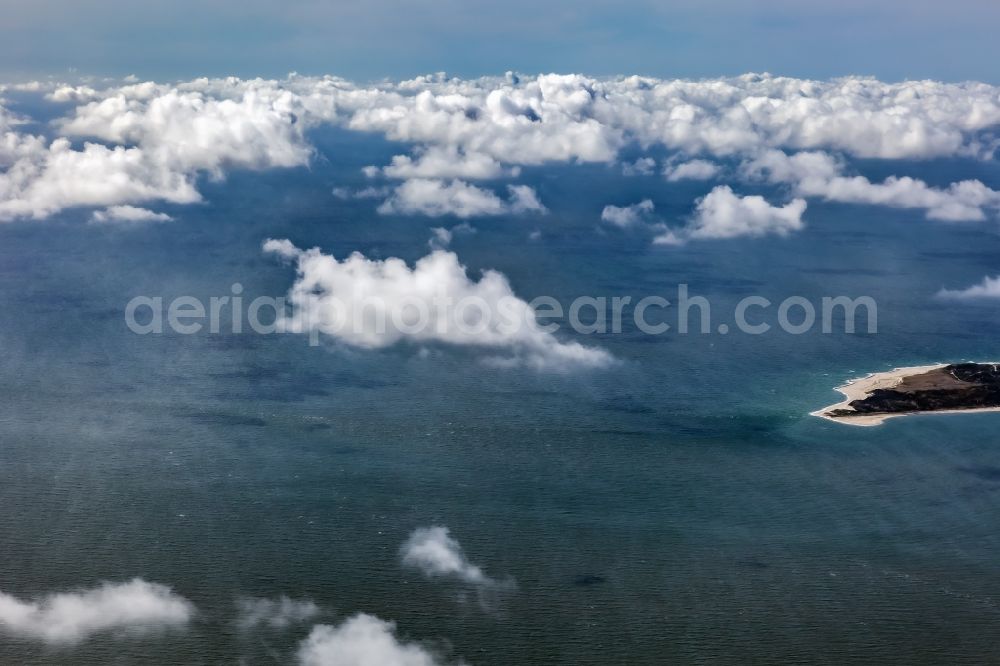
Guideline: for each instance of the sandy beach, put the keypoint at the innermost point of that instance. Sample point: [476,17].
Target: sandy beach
[857,389]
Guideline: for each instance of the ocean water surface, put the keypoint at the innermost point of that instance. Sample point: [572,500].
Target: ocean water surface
[678,507]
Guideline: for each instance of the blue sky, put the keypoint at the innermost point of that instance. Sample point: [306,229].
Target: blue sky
[891,39]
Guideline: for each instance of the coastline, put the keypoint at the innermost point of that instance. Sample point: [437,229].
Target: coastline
[857,389]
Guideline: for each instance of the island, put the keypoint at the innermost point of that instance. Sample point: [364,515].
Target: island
[927,389]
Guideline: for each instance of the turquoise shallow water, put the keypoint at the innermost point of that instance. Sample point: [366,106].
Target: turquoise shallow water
[679,507]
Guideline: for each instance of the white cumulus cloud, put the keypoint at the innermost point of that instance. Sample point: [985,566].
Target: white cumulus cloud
[362,640]
[724,214]
[435,553]
[373,304]
[628,216]
[817,174]
[447,163]
[71,617]
[346,194]
[127,214]
[154,141]
[989,288]
[691,170]
[421,196]
[524,199]
[442,236]
[254,125]
[643,166]
[50,178]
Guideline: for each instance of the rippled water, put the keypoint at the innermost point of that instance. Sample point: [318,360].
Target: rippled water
[680,507]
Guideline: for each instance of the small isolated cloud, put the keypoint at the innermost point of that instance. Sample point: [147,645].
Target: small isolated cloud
[628,216]
[669,237]
[283,248]
[692,170]
[442,236]
[373,304]
[72,617]
[641,216]
[724,214]
[524,199]
[434,198]
[644,166]
[989,288]
[346,193]
[433,551]
[277,613]
[127,215]
[362,640]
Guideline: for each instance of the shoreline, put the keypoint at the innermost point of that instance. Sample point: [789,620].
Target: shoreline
[859,388]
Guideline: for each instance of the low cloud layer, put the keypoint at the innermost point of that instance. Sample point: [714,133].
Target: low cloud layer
[374,304]
[71,617]
[813,174]
[148,142]
[362,640]
[140,143]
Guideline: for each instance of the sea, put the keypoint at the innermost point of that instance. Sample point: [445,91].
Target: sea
[680,506]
